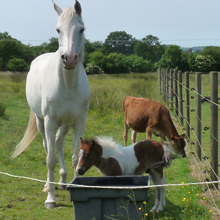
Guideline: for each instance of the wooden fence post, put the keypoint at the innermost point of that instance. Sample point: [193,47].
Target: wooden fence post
[164,83]
[168,89]
[167,86]
[187,105]
[214,127]
[199,115]
[171,88]
[176,92]
[181,96]
[159,79]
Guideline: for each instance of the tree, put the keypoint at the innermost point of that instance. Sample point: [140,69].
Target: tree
[96,57]
[53,45]
[149,48]
[171,58]
[115,63]
[9,48]
[119,42]
[215,53]
[192,61]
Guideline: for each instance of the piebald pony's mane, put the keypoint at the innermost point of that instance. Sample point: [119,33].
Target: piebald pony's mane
[107,142]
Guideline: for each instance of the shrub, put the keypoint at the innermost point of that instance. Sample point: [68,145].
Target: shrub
[92,68]
[139,64]
[115,63]
[17,64]
[204,63]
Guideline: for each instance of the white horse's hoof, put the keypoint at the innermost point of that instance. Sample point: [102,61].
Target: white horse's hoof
[50,205]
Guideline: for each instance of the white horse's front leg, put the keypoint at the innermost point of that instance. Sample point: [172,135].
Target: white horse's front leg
[63,130]
[79,130]
[50,131]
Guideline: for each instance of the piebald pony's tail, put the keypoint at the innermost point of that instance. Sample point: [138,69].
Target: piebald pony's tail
[29,136]
[167,157]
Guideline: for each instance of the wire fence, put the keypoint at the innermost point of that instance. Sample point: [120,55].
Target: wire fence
[173,90]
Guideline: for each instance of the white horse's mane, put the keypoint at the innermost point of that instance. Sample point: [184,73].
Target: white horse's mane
[68,14]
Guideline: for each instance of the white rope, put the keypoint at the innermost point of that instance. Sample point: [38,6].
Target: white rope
[110,187]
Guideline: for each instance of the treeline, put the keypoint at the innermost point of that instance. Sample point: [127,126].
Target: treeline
[119,53]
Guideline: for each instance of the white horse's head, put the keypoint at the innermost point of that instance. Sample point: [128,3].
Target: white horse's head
[70,28]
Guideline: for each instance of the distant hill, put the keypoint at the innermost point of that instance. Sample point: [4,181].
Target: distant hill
[194,49]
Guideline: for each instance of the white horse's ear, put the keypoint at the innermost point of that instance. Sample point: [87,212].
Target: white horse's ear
[78,8]
[57,8]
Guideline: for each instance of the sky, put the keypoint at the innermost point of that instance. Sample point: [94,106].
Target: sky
[186,23]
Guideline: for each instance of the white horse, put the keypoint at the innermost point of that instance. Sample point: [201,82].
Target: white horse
[57,91]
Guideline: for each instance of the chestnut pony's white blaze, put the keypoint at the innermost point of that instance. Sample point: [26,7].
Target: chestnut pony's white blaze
[57,91]
[111,159]
[146,116]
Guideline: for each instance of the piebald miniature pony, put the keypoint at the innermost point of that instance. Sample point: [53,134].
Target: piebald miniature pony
[111,159]
[57,91]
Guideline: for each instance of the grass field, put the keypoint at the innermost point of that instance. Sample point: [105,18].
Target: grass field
[24,199]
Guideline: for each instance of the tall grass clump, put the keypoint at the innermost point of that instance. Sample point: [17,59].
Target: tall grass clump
[106,97]
[2,110]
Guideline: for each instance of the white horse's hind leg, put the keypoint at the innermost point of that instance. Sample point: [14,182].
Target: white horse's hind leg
[40,127]
[63,130]
[50,131]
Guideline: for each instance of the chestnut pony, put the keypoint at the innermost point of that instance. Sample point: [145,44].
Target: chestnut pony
[57,91]
[111,159]
[150,117]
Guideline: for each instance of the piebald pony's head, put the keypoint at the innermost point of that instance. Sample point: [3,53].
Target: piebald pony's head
[70,28]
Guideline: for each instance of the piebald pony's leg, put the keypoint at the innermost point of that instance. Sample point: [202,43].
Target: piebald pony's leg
[160,191]
[157,201]
[50,132]
[162,194]
[63,130]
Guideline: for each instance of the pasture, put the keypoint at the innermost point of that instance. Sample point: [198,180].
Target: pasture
[24,199]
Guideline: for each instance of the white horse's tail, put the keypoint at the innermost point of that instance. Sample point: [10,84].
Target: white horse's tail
[29,136]
[167,157]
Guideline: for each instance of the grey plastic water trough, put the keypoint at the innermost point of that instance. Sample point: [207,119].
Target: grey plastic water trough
[102,197]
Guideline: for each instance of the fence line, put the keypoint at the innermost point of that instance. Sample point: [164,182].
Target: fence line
[177,105]
[196,160]
[201,149]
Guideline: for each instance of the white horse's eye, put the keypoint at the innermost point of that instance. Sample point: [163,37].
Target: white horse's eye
[82,30]
[58,30]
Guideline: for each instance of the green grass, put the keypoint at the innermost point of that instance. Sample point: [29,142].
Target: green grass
[24,199]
